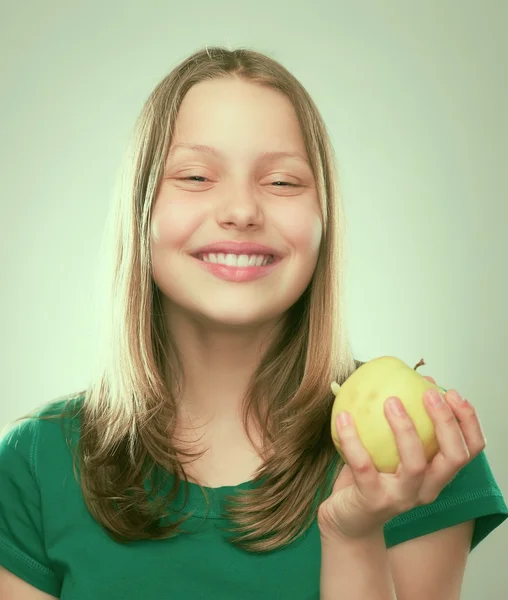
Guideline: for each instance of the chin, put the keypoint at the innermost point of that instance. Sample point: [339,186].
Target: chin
[237,313]
[236,318]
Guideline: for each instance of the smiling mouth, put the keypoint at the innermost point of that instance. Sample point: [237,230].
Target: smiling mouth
[237,261]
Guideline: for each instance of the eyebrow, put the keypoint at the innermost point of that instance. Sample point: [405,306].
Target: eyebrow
[217,154]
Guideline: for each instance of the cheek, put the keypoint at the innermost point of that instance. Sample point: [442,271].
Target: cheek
[304,230]
[172,225]
[171,228]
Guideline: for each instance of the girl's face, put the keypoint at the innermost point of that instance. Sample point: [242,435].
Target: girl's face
[231,191]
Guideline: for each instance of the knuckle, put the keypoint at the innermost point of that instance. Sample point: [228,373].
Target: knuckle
[417,469]
[449,418]
[363,466]
[408,427]
[468,408]
[427,497]
[461,460]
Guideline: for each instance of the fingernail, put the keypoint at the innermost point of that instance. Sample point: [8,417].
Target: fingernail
[344,419]
[396,406]
[456,397]
[435,397]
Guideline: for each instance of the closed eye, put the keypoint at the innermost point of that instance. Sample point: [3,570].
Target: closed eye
[191,177]
[194,177]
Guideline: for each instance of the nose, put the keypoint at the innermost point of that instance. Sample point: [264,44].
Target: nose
[242,210]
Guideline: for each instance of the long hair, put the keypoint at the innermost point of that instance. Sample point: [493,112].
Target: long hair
[128,412]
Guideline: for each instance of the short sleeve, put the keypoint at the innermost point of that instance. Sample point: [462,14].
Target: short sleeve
[472,495]
[22,547]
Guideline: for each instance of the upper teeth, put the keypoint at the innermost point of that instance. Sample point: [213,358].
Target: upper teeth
[235,260]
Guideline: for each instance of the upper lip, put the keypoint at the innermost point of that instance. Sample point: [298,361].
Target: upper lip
[228,247]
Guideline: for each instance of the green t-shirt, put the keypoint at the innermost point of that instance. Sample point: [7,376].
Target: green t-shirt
[49,539]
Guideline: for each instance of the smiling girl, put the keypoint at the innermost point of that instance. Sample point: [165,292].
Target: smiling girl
[199,461]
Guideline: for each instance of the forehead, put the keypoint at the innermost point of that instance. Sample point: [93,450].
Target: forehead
[235,115]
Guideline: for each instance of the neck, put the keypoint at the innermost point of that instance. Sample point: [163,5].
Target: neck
[218,363]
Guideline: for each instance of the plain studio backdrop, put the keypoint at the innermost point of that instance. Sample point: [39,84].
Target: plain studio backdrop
[414,95]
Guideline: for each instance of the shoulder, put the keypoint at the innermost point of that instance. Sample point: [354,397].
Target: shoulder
[35,473]
[43,429]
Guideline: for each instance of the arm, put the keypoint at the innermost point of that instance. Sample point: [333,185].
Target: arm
[356,569]
[14,588]
[433,565]
[430,566]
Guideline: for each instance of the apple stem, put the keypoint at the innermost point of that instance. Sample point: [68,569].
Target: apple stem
[419,364]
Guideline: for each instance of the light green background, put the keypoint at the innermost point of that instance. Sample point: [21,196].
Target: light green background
[414,95]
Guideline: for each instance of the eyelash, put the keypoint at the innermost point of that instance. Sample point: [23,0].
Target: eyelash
[198,176]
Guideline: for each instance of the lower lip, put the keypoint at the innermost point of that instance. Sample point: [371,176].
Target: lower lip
[237,274]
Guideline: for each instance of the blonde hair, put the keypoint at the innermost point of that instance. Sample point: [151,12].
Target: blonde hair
[128,411]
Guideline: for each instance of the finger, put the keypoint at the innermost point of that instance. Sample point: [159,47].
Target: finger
[469,422]
[453,451]
[448,432]
[429,378]
[355,453]
[413,462]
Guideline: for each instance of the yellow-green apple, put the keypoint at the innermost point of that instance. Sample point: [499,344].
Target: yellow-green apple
[363,395]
